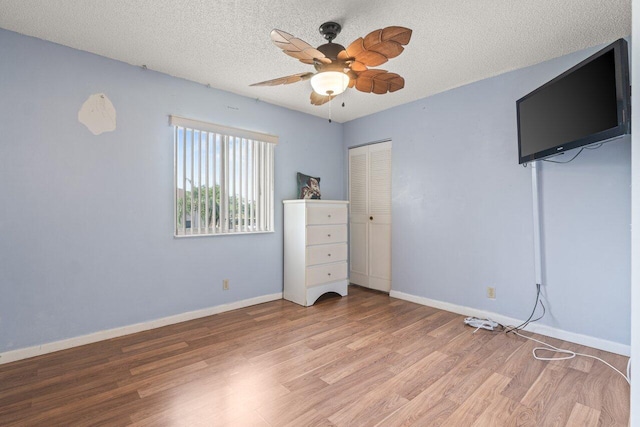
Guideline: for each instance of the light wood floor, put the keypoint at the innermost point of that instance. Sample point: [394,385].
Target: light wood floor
[365,359]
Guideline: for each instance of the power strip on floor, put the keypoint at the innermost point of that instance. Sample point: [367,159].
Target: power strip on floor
[477,323]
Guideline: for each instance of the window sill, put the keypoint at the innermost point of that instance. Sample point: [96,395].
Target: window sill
[236,233]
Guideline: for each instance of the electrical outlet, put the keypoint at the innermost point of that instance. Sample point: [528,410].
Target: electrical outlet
[225,284]
[491,292]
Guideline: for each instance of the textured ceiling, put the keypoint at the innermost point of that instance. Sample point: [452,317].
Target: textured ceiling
[226,44]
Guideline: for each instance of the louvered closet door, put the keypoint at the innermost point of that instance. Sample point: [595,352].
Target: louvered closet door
[358,218]
[370,218]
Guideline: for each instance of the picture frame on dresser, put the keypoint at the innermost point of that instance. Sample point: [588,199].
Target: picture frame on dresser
[315,249]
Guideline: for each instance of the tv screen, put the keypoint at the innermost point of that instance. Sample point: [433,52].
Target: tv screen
[588,103]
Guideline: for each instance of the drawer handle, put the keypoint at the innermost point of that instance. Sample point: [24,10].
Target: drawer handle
[328,254]
[328,235]
[329,274]
[329,215]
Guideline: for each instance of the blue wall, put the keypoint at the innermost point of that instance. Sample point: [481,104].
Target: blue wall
[462,208]
[86,237]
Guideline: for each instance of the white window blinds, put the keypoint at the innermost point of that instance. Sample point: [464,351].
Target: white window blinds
[223,179]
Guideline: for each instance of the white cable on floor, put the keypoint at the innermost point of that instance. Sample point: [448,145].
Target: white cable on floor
[570,354]
[491,325]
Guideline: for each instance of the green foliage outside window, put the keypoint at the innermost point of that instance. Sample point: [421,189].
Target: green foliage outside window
[242,206]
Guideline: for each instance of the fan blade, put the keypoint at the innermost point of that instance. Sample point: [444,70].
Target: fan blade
[400,35]
[317,99]
[379,46]
[357,52]
[285,80]
[297,48]
[379,82]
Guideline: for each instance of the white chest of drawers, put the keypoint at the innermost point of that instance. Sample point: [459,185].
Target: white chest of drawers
[315,249]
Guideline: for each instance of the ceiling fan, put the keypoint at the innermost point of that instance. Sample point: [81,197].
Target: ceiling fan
[339,68]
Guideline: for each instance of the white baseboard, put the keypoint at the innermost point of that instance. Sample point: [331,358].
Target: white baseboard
[24,353]
[538,328]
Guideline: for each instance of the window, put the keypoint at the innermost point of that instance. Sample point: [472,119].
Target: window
[223,179]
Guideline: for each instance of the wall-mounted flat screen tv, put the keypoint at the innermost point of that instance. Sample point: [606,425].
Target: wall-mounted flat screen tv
[586,104]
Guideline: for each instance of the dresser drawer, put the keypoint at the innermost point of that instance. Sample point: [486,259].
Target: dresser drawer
[323,234]
[324,254]
[326,215]
[326,273]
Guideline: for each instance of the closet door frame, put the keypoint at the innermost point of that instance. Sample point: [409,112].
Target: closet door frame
[370,219]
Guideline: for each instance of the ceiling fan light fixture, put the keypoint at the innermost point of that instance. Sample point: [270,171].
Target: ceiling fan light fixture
[329,82]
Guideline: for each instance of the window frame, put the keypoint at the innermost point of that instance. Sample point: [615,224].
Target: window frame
[231,155]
